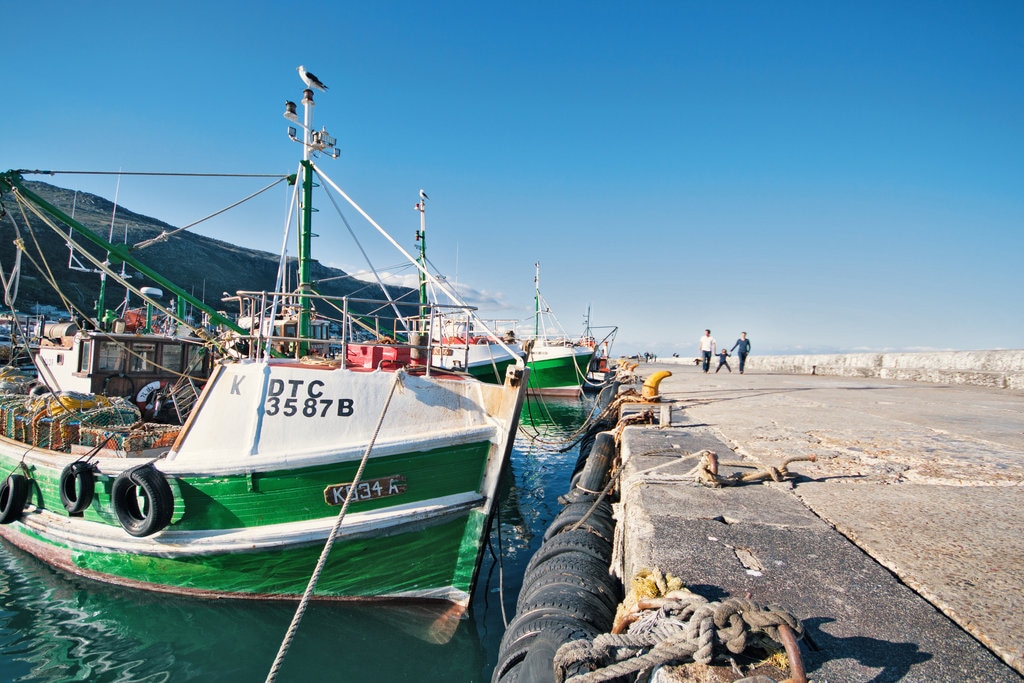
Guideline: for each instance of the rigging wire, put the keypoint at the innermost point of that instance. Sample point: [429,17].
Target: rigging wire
[23,171]
[162,237]
[387,295]
[51,280]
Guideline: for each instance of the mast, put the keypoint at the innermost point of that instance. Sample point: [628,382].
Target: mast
[421,238]
[306,224]
[312,142]
[536,301]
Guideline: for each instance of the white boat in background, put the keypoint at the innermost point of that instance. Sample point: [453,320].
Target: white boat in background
[602,370]
[459,342]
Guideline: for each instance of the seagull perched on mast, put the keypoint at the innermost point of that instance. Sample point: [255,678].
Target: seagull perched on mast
[310,80]
[423,195]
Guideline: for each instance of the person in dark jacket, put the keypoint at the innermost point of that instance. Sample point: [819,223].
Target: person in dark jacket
[742,348]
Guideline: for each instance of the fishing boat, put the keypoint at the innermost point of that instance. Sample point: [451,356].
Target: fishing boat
[602,370]
[558,364]
[345,468]
[460,342]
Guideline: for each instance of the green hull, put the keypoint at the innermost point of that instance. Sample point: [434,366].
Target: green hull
[492,373]
[563,373]
[427,557]
[432,563]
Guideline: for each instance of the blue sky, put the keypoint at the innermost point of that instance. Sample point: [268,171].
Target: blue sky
[828,176]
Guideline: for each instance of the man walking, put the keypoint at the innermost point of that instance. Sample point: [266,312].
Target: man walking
[743,346]
[707,349]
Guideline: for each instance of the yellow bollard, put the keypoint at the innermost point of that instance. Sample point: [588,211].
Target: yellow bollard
[650,390]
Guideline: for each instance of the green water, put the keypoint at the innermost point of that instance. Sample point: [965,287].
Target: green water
[57,627]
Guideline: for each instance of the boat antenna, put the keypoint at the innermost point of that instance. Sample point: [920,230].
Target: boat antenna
[74,263]
[101,300]
[313,142]
[536,300]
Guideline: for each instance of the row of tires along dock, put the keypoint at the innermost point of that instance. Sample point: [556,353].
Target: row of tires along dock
[573,616]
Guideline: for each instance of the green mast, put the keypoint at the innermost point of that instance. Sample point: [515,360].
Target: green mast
[421,237]
[312,141]
[305,250]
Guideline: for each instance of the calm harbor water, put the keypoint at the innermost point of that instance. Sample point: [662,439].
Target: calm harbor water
[57,627]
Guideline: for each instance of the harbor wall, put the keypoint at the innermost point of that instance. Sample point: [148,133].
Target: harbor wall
[1002,369]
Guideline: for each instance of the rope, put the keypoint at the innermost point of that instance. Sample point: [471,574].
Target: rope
[678,627]
[11,285]
[311,586]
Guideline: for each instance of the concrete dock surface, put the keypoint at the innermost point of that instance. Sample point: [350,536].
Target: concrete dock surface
[900,548]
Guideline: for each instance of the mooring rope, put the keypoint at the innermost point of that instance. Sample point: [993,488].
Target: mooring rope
[680,626]
[311,586]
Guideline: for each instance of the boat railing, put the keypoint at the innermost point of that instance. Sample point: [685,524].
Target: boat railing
[352,331]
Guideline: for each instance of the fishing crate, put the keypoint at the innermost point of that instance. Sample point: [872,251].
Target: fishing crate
[133,441]
[11,407]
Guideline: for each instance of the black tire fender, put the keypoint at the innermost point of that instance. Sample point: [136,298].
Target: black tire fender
[579,601]
[13,497]
[524,627]
[580,540]
[575,565]
[142,500]
[77,486]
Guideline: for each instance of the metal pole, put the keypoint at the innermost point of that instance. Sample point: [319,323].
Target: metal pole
[306,228]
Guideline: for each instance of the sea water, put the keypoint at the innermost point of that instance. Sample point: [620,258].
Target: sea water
[59,627]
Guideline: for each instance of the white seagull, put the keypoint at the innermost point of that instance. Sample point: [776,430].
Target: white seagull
[423,195]
[310,80]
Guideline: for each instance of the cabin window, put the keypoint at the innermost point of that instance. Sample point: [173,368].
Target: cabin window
[170,357]
[85,357]
[143,357]
[110,357]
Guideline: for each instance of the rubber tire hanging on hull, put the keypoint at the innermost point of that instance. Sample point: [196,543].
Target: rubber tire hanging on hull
[142,500]
[13,497]
[77,485]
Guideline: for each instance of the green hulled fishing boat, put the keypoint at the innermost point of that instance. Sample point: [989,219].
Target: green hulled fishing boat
[345,467]
[558,364]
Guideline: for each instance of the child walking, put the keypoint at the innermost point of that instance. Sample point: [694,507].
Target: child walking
[722,355]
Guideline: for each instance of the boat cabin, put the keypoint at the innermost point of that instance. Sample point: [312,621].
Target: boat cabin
[94,362]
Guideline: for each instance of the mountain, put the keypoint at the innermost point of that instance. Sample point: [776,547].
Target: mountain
[203,266]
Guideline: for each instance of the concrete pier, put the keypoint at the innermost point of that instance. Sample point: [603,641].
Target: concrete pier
[1000,369]
[900,548]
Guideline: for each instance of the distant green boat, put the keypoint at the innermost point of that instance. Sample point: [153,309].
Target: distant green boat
[558,369]
[558,365]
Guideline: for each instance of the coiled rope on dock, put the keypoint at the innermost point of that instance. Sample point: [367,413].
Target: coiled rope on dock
[679,627]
